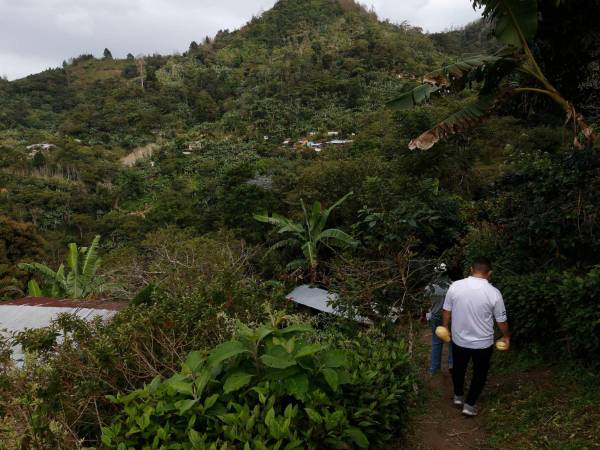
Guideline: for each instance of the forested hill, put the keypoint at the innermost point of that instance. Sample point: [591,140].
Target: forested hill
[303,64]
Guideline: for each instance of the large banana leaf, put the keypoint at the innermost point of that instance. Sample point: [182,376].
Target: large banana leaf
[515,21]
[435,81]
[91,262]
[33,289]
[285,224]
[446,75]
[284,243]
[337,236]
[74,289]
[41,269]
[327,212]
[471,115]
[73,257]
[414,97]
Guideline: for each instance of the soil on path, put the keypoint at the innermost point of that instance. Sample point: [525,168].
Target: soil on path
[441,425]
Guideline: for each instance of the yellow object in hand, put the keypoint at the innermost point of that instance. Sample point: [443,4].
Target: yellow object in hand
[442,333]
[502,346]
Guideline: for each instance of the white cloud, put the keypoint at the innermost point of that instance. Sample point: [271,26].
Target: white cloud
[37,34]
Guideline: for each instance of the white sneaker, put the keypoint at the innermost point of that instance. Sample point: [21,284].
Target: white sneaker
[469,410]
[459,400]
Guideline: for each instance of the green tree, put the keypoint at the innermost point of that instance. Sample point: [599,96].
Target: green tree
[19,242]
[510,71]
[107,54]
[79,282]
[310,234]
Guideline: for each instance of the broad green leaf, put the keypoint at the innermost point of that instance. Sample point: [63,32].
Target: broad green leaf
[331,377]
[358,437]
[185,405]
[236,381]
[297,328]
[335,358]
[307,350]
[225,351]
[194,361]
[297,386]
[180,384]
[277,362]
[314,415]
[210,401]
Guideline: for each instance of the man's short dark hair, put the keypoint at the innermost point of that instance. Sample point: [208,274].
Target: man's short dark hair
[481,264]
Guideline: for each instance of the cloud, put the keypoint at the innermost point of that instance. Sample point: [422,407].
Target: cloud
[37,34]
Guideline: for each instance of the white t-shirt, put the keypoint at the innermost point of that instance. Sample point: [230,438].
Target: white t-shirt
[474,303]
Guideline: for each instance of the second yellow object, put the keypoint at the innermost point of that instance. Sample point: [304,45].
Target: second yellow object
[501,345]
[442,333]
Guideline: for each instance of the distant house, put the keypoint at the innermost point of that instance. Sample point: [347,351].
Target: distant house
[194,145]
[34,149]
[314,145]
[333,133]
[288,141]
[340,141]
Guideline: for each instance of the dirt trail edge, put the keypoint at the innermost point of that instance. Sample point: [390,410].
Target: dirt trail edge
[441,425]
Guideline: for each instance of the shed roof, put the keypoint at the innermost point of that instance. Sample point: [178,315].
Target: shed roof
[319,299]
[31,313]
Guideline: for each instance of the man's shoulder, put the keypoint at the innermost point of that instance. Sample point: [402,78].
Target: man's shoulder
[458,283]
[495,290]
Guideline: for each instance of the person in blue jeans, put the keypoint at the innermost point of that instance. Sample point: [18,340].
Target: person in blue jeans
[436,292]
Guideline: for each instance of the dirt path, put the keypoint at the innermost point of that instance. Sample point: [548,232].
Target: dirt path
[441,425]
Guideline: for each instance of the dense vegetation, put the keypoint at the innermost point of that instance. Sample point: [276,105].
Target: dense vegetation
[170,159]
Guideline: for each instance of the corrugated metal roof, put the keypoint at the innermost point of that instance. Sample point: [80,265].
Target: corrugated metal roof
[319,299]
[32,313]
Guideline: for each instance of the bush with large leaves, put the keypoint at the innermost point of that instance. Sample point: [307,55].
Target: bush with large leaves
[272,388]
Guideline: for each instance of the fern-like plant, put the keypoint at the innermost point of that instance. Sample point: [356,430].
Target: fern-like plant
[79,282]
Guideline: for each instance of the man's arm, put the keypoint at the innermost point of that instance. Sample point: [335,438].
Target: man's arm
[505,331]
[446,316]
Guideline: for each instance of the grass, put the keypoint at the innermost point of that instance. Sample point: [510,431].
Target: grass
[531,404]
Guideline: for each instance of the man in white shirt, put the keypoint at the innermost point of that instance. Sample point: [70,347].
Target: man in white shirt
[471,305]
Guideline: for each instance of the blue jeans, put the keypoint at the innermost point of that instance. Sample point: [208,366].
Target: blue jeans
[436,348]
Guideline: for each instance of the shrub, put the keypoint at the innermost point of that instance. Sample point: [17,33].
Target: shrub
[272,387]
[59,397]
[561,308]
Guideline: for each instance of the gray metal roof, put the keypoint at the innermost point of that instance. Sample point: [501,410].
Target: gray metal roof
[15,318]
[319,299]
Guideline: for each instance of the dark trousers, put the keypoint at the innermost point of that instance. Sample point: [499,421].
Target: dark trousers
[481,364]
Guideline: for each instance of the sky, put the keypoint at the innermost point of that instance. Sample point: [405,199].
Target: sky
[39,34]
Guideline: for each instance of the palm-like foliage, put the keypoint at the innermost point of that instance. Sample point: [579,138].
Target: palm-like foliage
[309,235]
[79,282]
[512,70]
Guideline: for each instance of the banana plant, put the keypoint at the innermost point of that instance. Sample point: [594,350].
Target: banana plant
[310,234]
[80,281]
[510,71]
